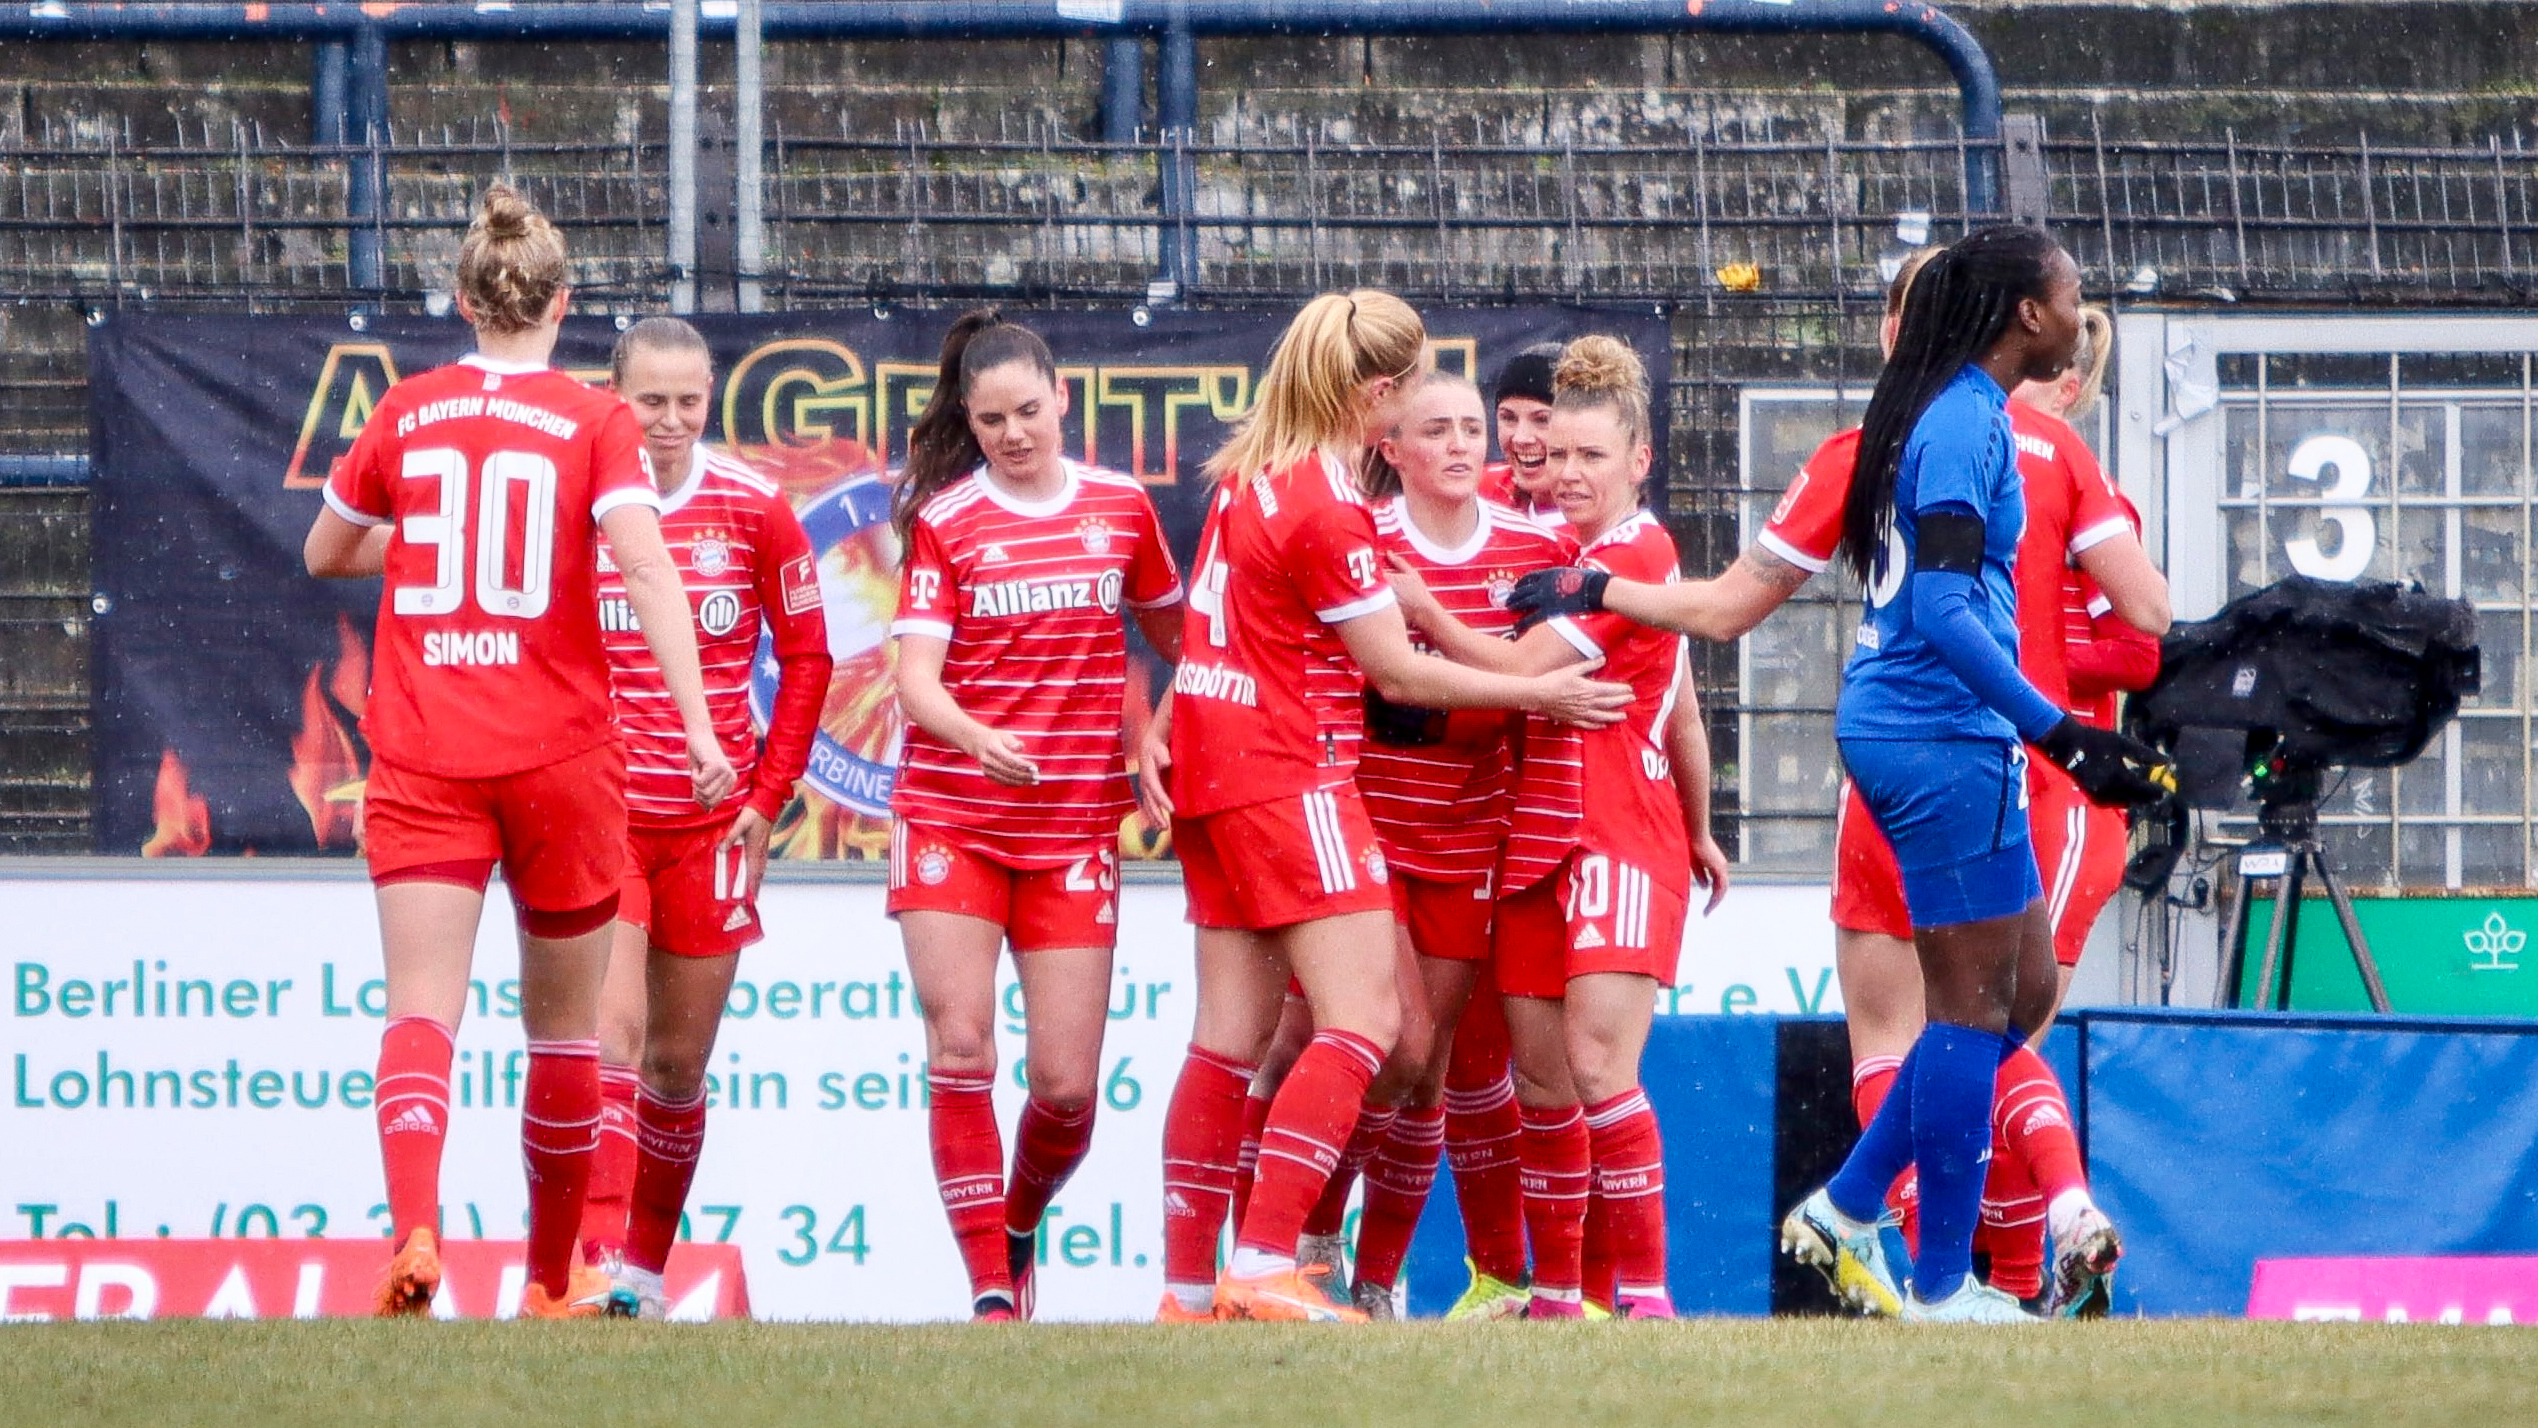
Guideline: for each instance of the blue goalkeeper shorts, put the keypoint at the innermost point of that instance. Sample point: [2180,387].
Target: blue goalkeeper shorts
[1955,812]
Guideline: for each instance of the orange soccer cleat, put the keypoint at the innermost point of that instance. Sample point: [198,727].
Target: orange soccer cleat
[1170,1311]
[1286,1295]
[586,1296]
[414,1276]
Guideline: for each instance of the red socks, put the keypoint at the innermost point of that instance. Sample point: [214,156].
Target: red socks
[1330,1212]
[1557,1162]
[969,1168]
[1202,1135]
[559,1128]
[1871,1079]
[2011,1231]
[1397,1184]
[1309,1127]
[1630,1178]
[612,1167]
[2032,1120]
[1047,1146]
[411,1101]
[1247,1160]
[1481,1132]
[668,1137]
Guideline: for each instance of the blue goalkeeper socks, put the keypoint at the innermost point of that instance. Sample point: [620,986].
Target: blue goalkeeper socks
[1954,1069]
[1885,1148]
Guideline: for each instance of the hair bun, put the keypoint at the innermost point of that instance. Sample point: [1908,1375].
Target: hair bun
[1599,364]
[505,215]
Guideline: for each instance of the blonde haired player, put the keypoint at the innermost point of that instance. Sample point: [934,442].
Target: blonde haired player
[1592,919]
[1020,567]
[490,728]
[692,874]
[1293,618]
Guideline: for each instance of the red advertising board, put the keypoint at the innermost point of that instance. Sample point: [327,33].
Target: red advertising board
[302,1279]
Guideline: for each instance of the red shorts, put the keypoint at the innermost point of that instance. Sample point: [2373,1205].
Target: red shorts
[686,892]
[1596,914]
[1276,864]
[2079,854]
[1868,893]
[559,831]
[1447,919]
[1072,905]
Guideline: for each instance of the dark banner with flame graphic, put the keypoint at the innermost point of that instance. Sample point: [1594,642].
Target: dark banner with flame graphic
[229,685]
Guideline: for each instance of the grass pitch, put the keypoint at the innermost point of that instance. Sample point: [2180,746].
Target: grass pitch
[2206,1374]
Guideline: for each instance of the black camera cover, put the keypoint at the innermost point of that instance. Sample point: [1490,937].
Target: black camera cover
[2357,673]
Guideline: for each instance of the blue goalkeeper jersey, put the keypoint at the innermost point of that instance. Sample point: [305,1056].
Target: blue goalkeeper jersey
[1895,685]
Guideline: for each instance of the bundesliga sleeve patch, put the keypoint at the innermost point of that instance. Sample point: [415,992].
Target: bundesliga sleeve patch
[801,586]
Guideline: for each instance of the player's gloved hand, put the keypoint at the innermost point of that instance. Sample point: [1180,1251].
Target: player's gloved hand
[1566,591]
[2114,770]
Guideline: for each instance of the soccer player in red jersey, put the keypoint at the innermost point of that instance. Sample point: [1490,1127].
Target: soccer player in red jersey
[480,490]
[689,900]
[1013,671]
[1438,789]
[1258,743]
[2070,519]
[1522,396]
[1593,923]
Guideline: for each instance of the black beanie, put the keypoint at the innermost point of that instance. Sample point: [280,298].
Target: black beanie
[1528,374]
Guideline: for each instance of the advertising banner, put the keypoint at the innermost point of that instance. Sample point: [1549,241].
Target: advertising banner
[192,1057]
[229,684]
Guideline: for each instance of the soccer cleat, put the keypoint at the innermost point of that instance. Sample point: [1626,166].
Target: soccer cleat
[1382,1303]
[1286,1295]
[1974,1302]
[1643,1306]
[414,1276]
[1594,1313]
[587,1295]
[1489,1297]
[1326,1253]
[1022,1259]
[993,1309]
[2082,1286]
[1537,1307]
[1172,1311]
[1846,1251]
[637,1294]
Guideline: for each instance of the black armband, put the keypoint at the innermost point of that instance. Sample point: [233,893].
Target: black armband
[1950,543]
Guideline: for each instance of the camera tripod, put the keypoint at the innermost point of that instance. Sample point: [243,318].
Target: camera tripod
[2287,817]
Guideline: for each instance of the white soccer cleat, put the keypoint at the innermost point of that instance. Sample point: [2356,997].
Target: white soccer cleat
[1974,1302]
[1846,1251]
[637,1294]
[1381,1304]
[2084,1256]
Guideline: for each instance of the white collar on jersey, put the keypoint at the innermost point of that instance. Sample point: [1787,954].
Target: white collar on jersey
[696,459]
[1622,530]
[1436,554]
[1065,497]
[501,368]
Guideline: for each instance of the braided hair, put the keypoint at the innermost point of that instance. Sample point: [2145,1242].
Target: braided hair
[1959,306]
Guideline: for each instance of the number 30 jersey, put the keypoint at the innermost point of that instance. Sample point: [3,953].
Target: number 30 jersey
[1266,703]
[487,660]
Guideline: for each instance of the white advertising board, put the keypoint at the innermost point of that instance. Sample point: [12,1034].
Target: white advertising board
[191,1057]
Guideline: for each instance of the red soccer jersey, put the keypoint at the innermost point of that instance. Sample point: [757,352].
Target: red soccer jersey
[1630,809]
[1028,594]
[2071,506]
[1266,701]
[1498,483]
[1442,809]
[487,659]
[2106,657]
[745,561]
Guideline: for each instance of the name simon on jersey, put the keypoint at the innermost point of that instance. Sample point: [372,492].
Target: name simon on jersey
[500,408]
[463,647]
[1214,681]
[1032,597]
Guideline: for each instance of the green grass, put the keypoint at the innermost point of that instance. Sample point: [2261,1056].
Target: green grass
[2203,1374]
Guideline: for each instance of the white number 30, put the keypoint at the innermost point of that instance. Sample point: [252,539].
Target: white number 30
[444,529]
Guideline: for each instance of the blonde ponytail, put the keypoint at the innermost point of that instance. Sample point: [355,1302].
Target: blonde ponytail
[1309,397]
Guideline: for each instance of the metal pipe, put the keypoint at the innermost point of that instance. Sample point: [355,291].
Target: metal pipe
[683,25]
[749,134]
[1123,88]
[329,118]
[366,94]
[1176,115]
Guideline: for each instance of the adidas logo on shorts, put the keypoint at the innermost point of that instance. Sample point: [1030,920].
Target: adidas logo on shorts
[1588,937]
[739,919]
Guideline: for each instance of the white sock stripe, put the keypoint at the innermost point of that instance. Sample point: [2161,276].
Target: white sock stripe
[541,1122]
[575,1050]
[1869,1066]
[419,1019]
[1628,1104]
[439,1083]
[1356,1047]
[955,1081]
[1318,1164]
[1299,1138]
[646,1097]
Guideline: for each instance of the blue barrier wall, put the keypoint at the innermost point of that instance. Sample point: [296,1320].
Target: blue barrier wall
[2214,1139]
